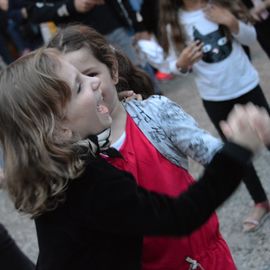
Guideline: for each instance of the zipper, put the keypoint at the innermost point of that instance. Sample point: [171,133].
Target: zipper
[193,264]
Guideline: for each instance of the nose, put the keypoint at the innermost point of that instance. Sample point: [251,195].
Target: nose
[216,51]
[95,83]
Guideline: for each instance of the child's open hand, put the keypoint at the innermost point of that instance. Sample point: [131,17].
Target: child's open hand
[260,121]
[240,127]
[223,16]
[190,55]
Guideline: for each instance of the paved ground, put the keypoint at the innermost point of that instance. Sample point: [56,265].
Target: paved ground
[250,251]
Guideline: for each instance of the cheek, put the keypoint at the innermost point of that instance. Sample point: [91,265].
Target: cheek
[110,96]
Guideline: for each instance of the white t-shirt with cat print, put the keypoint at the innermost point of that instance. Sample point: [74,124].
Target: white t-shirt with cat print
[225,72]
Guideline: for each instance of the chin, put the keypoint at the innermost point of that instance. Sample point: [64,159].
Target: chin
[108,122]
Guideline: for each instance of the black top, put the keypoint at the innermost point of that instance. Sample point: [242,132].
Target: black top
[104,18]
[101,224]
[248,3]
[11,257]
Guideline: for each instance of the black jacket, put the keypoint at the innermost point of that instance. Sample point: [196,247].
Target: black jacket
[11,257]
[101,224]
[104,18]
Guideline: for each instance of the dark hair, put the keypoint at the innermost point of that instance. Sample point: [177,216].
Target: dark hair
[74,37]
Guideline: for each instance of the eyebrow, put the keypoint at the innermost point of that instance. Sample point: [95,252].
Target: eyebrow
[87,70]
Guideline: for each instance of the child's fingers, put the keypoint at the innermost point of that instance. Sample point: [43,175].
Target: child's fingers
[237,113]
[260,121]
[226,129]
[139,97]
[238,129]
[125,94]
[196,57]
[193,45]
[195,51]
[135,96]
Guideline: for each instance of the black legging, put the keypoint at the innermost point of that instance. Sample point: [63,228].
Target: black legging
[262,29]
[219,110]
[11,257]
[263,34]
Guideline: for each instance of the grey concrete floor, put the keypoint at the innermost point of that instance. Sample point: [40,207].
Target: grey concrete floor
[250,251]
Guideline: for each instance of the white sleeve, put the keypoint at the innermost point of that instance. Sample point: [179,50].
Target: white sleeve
[246,35]
[155,56]
[184,133]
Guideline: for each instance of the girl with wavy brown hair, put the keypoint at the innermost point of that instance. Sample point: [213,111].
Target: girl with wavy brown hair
[205,38]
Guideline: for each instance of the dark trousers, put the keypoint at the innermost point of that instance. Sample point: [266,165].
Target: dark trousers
[262,29]
[263,34]
[219,110]
[11,257]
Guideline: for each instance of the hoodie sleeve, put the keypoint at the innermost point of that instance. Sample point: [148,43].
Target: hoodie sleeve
[114,203]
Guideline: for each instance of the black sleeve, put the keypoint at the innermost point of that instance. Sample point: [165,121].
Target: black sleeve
[116,204]
[56,11]
[11,257]
[136,18]
[130,18]
[150,14]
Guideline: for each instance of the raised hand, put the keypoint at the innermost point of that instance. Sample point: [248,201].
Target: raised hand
[259,120]
[248,126]
[190,55]
[223,16]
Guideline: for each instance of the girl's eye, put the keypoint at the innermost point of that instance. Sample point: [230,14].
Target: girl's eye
[222,41]
[93,74]
[79,87]
[207,48]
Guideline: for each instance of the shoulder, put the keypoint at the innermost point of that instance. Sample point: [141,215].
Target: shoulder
[151,102]
[159,108]
[156,104]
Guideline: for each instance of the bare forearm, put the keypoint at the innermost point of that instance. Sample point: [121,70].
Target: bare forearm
[233,25]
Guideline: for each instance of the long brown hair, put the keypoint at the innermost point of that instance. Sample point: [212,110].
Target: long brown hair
[74,37]
[168,16]
[37,164]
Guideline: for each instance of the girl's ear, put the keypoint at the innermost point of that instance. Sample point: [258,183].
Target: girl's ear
[63,134]
[67,133]
[115,75]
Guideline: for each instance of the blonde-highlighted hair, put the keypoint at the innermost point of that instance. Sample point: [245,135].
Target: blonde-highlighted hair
[38,162]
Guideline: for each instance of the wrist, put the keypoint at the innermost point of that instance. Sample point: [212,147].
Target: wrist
[182,68]
[233,25]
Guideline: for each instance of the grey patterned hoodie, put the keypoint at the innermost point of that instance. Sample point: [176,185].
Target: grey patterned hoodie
[173,132]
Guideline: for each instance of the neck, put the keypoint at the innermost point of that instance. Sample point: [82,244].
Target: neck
[192,5]
[119,117]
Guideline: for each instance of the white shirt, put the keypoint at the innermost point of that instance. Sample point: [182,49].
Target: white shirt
[218,81]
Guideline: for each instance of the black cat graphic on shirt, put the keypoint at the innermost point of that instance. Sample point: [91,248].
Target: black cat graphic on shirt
[216,46]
